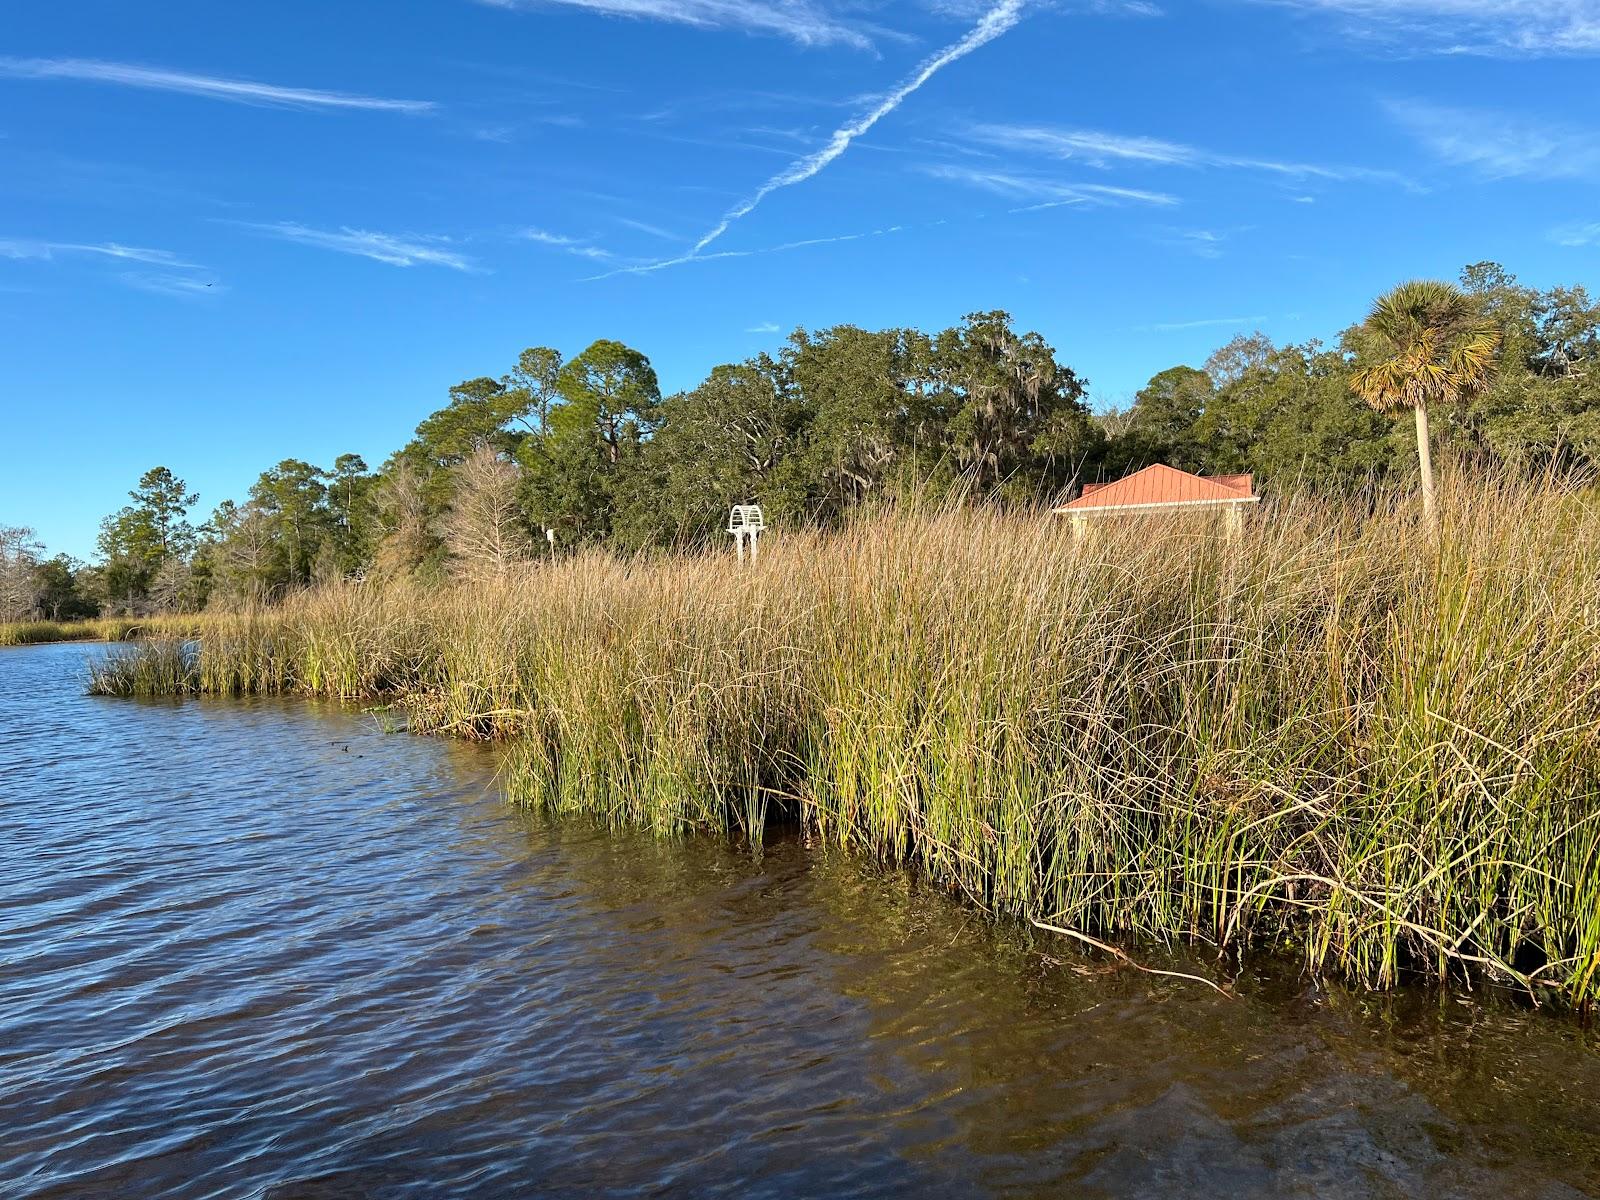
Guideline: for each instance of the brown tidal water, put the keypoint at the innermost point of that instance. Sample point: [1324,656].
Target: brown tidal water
[262,949]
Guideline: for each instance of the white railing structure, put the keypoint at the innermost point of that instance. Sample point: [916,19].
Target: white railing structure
[746,522]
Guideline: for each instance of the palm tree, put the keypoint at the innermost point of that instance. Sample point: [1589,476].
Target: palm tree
[1429,344]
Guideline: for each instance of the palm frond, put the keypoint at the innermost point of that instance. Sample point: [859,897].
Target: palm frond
[1428,344]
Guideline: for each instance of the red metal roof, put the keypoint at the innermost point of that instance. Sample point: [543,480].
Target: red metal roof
[1160,484]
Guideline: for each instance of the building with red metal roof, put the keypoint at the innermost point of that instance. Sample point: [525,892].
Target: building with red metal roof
[1159,488]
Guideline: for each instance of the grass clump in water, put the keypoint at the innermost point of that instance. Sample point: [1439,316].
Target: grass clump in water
[1344,731]
[161,667]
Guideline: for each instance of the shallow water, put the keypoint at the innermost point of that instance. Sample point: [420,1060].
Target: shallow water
[263,949]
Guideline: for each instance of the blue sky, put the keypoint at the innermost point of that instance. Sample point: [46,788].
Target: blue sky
[231,234]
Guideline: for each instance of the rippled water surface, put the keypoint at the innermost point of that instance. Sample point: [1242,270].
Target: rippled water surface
[262,949]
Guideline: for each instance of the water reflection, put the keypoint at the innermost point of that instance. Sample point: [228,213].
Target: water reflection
[260,948]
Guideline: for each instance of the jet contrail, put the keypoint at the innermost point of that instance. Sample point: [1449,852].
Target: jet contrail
[995,22]
[664,263]
[239,91]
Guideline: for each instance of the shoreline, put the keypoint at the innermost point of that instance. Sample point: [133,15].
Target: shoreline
[101,629]
[1340,734]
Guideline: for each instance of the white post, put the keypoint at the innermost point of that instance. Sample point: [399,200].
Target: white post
[1233,522]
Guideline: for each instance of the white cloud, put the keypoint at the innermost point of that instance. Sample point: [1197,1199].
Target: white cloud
[1097,148]
[764,327]
[1092,147]
[19,249]
[663,264]
[397,251]
[571,245]
[184,286]
[163,258]
[1579,234]
[1205,243]
[797,20]
[652,230]
[548,239]
[995,22]
[177,277]
[22,248]
[239,91]
[1523,27]
[1498,145]
[1208,323]
[1070,202]
[967,9]
[1097,191]
[1048,192]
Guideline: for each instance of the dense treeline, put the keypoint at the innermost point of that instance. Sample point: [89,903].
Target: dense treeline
[559,453]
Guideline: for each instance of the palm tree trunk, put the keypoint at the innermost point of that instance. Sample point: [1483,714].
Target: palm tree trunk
[1425,460]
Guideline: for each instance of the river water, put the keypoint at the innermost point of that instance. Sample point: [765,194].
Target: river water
[264,949]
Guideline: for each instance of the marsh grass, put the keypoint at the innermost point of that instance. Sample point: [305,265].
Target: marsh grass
[158,667]
[100,629]
[1342,733]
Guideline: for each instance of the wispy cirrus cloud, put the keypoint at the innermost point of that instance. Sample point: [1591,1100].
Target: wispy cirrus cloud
[397,250]
[1203,243]
[1086,8]
[1582,233]
[764,327]
[1048,193]
[1097,148]
[505,134]
[185,287]
[1510,27]
[237,91]
[581,247]
[718,255]
[1500,145]
[26,248]
[741,101]
[646,227]
[1125,8]
[548,239]
[1207,323]
[798,20]
[170,274]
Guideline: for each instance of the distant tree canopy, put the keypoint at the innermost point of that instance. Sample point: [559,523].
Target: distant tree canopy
[146,545]
[1293,415]
[587,451]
